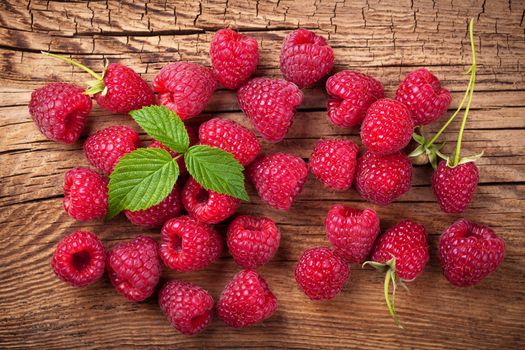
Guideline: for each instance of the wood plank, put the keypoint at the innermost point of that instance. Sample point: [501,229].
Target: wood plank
[302,225]
[503,161]
[146,37]
[385,38]
[97,317]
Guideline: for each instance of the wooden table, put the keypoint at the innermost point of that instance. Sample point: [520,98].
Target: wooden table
[385,38]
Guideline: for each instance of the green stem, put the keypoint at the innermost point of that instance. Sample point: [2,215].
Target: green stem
[453,115]
[75,63]
[390,305]
[473,78]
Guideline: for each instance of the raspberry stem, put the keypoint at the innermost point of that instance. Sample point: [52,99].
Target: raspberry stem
[468,92]
[390,268]
[391,276]
[473,78]
[75,63]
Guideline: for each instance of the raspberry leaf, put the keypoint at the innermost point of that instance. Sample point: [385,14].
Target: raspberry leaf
[141,179]
[163,125]
[216,170]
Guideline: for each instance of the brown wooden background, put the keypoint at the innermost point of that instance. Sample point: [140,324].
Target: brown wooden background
[385,38]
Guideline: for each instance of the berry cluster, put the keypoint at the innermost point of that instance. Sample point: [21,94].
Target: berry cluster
[188,241]
[468,251]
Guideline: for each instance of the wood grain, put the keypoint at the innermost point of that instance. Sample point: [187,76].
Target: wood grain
[384,38]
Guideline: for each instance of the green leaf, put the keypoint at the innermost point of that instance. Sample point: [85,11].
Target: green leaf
[473,158]
[164,126]
[432,157]
[417,152]
[216,170]
[419,138]
[141,179]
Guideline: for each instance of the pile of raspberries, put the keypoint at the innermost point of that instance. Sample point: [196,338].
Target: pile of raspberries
[468,252]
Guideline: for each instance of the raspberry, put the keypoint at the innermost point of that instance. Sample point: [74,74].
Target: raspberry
[231,137]
[85,194]
[180,161]
[387,127]
[351,231]
[270,105]
[401,252]
[321,274]
[350,95]
[125,90]
[246,300]
[134,268]
[382,179]
[305,57]
[278,178]
[407,243]
[469,252]
[252,241]
[187,306]
[185,88]
[104,149]
[188,245]
[119,89]
[423,95]
[454,187]
[157,215]
[60,111]
[205,205]
[234,57]
[79,259]
[333,163]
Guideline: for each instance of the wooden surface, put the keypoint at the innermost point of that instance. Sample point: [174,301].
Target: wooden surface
[384,38]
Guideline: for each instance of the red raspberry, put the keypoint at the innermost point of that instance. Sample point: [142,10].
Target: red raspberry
[401,252]
[60,111]
[351,231]
[125,90]
[246,300]
[234,57]
[119,89]
[157,215]
[454,187]
[407,243]
[252,241]
[423,95]
[85,194]
[333,163]
[134,268]
[105,148]
[305,57]
[185,88]
[278,178]
[270,105]
[321,274]
[469,252]
[231,137]
[205,205]
[180,161]
[387,127]
[79,259]
[188,245]
[382,179]
[187,306]
[350,95]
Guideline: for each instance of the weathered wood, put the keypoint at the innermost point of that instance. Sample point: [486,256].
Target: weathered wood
[385,38]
